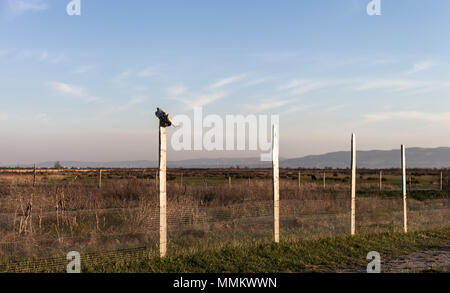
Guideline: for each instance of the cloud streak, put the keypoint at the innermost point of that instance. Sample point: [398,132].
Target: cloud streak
[73,91]
[420,66]
[227,81]
[409,115]
[20,7]
[299,87]
[267,106]
[202,100]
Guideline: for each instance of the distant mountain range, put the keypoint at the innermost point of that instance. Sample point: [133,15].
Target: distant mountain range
[376,159]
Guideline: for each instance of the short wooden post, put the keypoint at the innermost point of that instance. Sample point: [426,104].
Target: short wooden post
[162,193]
[353,186]
[229,181]
[448,196]
[276,184]
[299,179]
[34,175]
[381,180]
[99,178]
[324,180]
[405,218]
[156,179]
[441,182]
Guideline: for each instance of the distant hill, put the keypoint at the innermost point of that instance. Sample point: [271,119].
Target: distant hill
[415,158]
[376,159]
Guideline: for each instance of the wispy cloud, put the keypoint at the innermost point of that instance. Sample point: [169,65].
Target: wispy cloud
[410,115]
[228,81]
[73,91]
[299,108]
[147,72]
[267,105]
[83,69]
[259,81]
[19,7]
[202,100]
[299,87]
[128,105]
[401,85]
[177,90]
[420,66]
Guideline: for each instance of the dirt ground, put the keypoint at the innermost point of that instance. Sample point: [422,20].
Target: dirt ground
[433,260]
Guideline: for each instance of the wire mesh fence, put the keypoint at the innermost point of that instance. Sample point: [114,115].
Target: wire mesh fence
[40,224]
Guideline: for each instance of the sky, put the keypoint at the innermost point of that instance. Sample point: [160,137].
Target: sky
[85,88]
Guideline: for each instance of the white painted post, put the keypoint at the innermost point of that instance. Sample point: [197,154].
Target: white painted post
[405,218]
[162,193]
[353,186]
[276,184]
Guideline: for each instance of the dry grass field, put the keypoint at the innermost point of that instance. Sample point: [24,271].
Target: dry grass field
[66,210]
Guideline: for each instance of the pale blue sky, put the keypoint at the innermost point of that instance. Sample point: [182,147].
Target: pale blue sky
[85,87]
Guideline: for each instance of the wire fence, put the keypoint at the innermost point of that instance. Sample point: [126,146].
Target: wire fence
[40,224]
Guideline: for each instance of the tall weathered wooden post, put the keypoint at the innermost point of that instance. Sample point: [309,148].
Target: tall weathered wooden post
[324,179]
[299,179]
[405,217]
[441,182]
[353,186]
[34,175]
[164,121]
[276,184]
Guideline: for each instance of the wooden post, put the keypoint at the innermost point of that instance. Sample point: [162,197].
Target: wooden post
[410,183]
[162,193]
[299,179]
[353,186]
[405,218]
[156,179]
[229,181]
[448,197]
[381,180]
[34,175]
[441,181]
[276,184]
[99,178]
[324,180]
[181,179]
